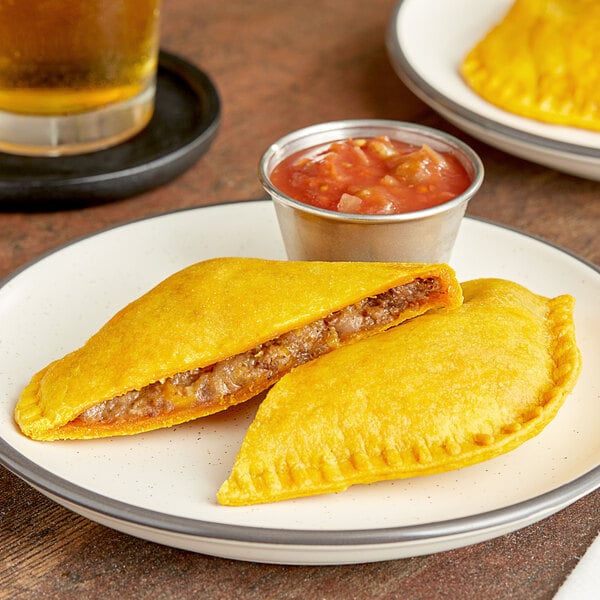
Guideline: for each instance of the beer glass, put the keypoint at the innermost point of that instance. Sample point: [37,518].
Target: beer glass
[75,75]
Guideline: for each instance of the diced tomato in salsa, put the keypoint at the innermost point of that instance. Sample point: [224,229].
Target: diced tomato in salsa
[371,176]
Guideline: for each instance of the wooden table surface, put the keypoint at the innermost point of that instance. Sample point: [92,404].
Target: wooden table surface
[280,66]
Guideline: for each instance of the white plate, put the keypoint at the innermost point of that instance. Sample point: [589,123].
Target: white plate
[161,485]
[427,41]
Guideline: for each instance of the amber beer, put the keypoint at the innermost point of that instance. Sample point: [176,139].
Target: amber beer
[60,58]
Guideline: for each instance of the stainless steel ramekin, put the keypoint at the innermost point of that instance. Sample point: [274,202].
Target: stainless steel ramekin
[311,233]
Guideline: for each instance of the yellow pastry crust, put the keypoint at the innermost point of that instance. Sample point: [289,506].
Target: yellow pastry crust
[442,391]
[541,62]
[195,318]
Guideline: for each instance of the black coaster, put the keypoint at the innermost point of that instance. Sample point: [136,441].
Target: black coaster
[185,122]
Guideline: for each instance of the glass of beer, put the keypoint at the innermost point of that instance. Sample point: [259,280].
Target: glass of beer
[75,75]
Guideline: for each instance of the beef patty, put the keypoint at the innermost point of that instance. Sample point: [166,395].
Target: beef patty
[258,368]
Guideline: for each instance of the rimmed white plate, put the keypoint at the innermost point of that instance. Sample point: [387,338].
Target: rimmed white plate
[427,41]
[161,486]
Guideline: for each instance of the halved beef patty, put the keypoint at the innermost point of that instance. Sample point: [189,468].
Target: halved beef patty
[259,368]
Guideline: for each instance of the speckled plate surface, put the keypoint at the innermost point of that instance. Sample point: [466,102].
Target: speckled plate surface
[427,41]
[161,486]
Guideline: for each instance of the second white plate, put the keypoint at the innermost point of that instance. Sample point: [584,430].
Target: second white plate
[427,41]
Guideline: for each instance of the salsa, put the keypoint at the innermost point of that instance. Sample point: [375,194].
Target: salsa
[372,176]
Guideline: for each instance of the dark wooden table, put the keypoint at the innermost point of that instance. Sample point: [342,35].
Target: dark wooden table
[280,66]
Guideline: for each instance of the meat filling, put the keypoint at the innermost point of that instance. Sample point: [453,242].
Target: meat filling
[259,368]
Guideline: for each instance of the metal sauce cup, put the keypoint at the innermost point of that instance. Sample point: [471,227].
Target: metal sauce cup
[311,233]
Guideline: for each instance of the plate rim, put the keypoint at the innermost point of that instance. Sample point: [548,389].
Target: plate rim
[58,488]
[426,91]
[49,484]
